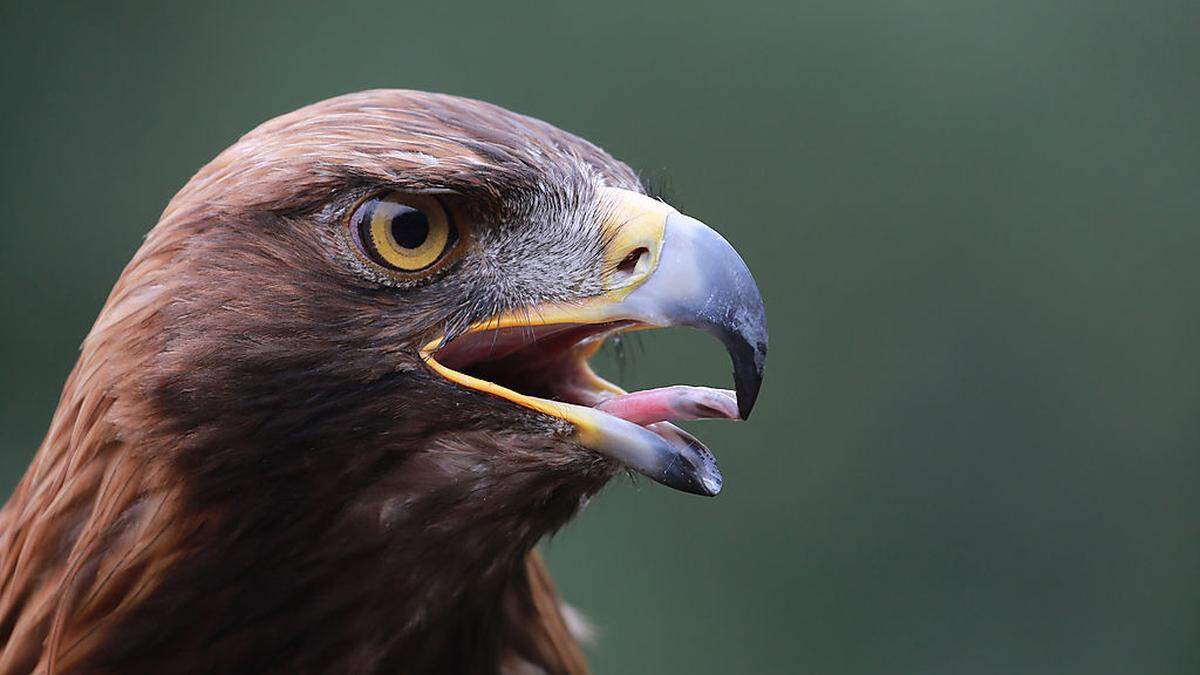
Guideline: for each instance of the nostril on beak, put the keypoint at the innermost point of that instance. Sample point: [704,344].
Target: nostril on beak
[635,264]
[636,261]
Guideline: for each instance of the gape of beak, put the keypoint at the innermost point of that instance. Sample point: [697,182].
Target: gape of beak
[682,274]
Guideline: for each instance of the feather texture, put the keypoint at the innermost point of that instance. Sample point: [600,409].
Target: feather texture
[251,470]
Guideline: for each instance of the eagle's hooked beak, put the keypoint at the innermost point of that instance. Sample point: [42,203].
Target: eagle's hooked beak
[664,269]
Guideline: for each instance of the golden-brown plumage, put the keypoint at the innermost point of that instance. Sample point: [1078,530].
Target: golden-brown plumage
[252,468]
[108,510]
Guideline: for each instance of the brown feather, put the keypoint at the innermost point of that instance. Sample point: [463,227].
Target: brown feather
[551,641]
[250,469]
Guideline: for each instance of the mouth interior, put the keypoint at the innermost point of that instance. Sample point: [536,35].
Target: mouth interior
[550,362]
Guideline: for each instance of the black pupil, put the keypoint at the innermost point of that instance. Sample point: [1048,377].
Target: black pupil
[410,228]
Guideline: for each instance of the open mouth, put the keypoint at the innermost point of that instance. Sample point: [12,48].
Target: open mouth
[682,274]
[545,367]
[551,363]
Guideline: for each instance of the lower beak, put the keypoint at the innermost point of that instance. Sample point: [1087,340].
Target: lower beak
[666,269]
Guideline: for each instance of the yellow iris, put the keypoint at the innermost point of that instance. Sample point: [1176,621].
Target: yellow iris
[407,232]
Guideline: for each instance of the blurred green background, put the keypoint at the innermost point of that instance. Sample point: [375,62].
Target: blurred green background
[975,225]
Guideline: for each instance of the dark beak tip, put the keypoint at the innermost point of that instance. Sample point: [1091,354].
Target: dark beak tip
[692,468]
[748,382]
[745,410]
[710,485]
[746,400]
[706,486]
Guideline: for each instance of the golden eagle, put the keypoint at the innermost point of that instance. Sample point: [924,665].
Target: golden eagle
[341,392]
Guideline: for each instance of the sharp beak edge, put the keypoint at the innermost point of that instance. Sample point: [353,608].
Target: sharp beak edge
[702,282]
[666,269]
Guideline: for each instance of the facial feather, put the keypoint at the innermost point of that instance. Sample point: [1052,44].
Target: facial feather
[250,440]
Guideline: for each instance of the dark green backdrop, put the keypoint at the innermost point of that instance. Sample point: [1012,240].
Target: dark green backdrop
[975,225]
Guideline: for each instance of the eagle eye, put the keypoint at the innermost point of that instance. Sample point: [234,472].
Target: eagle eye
[405,234]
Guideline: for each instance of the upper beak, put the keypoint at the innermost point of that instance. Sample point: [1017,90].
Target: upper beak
[702,282]
[664,269]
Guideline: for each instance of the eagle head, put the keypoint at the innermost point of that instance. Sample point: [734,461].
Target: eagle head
[342,390]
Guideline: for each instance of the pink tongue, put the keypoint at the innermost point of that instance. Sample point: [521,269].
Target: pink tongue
[675,404]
